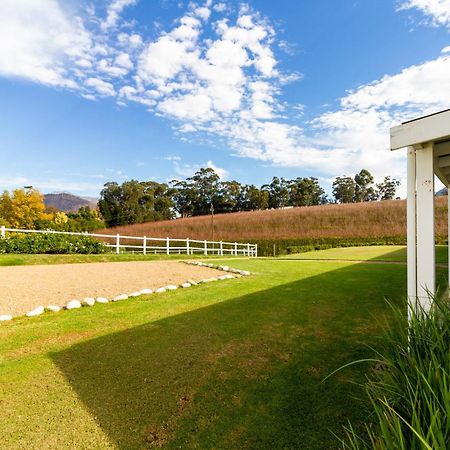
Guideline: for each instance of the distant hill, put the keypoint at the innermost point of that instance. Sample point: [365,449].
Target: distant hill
[68,202]
[348,221]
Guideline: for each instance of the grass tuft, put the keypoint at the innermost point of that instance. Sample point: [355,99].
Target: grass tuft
[410,390]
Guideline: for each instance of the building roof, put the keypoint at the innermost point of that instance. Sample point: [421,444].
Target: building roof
[434,128]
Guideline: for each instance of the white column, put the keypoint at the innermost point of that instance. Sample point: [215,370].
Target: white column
[167,246]
[205,247]
[448,232]
[3,231]
[411,226]
[187,246]
[144,245]
[425,226]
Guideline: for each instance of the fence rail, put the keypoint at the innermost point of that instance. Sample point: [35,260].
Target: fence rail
[147,245]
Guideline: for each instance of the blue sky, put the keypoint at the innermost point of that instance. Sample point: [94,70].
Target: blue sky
[96,91]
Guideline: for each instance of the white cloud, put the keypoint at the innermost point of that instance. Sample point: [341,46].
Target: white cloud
[37,39]
[187,170]
[113,12]
[220,80]
[102,87]
[446,49]
[437,10]
[223,173]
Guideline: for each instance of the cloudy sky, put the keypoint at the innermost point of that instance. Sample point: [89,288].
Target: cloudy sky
[93,91]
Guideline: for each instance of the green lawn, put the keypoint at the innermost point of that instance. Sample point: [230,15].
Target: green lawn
[236,364]
[377,253]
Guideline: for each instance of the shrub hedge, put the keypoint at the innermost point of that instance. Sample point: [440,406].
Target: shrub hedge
[50,243]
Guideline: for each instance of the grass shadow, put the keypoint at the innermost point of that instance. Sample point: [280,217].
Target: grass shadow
[243,373]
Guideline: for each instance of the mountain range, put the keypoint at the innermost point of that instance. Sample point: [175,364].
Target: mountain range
[68,202]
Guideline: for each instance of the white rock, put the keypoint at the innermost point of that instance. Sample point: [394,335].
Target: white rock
[120,297]
[225,268]
[35,312]
[135,294]
[88,301]
[101,300]
[210,265]
[160,290]
[54,308]
[245,272]
[185,285]
[5,317]
[222,277]
[229,276]
[171,287]
[192,282]
[73,304]
[146,291]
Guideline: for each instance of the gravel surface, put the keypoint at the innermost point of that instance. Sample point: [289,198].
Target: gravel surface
[23,288]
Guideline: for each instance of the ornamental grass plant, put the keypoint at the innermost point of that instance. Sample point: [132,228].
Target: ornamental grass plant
[409,388]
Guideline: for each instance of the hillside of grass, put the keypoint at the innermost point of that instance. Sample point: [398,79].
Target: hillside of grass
[356,221]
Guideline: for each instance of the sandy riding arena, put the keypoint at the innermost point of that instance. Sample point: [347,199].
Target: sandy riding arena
[23,288]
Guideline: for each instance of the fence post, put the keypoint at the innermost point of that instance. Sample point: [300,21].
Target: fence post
[117,243]
[221,248]
[205,248]
[256,250]
[187,246]
[3,232]
[235,249]
[167,246]
[248,249]
[144,246]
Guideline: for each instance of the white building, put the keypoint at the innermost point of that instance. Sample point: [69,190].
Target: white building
[427,140]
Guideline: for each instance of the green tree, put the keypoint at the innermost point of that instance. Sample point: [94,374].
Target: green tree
[364,190]
[206,189]
[23,208]
[253,198]
[229,197]
[278,191]
[344,189]
[135,202]
[306,192]
[387,189]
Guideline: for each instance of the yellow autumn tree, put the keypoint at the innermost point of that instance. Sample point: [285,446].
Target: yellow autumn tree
[22,208]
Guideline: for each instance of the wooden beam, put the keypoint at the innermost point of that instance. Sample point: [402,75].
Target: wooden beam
[426,129]
[444,161]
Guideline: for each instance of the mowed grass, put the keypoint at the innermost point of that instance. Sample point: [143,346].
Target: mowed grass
[390,253]
[236,364]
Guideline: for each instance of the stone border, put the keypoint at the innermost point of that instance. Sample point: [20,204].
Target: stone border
[91,301]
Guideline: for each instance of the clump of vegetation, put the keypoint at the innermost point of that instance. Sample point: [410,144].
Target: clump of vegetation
[51,243]
[25,209]
[410,390]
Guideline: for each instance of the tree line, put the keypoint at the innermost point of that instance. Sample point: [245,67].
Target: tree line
[142,201]
[25,209]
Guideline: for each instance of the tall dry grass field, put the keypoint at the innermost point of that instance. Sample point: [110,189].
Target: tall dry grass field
[374,219]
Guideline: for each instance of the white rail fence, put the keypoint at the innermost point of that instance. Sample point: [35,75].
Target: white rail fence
[147,245]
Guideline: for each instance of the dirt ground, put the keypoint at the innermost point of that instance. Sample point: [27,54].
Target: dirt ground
[23,288]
